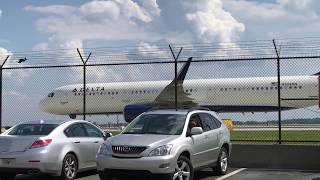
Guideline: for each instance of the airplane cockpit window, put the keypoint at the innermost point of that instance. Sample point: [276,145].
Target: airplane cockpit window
[51,94]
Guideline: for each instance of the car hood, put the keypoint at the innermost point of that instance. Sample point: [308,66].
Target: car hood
[141,139]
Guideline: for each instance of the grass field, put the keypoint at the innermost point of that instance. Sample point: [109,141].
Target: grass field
[273,135]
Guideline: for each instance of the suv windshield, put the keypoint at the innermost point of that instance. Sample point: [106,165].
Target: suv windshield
[168,124]
[33,129]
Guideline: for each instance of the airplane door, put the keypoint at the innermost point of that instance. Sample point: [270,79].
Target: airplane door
[64,98]
[210,95]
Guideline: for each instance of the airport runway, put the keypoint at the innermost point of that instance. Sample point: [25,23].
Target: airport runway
[233,174]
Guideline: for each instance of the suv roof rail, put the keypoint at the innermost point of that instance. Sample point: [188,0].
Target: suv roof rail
[199,108]
[184,108]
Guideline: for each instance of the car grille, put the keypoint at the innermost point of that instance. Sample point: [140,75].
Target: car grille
[128,149]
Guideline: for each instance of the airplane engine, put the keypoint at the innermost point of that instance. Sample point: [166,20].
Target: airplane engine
[133,110]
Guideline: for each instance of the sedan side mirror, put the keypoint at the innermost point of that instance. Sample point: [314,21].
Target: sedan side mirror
[107,135]
[196,130]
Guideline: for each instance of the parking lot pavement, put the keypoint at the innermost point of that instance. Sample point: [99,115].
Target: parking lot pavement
[266,174]
[233,174]
[91,175]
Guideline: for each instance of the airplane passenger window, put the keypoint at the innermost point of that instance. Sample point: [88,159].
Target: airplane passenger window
[51,94]
[300,87]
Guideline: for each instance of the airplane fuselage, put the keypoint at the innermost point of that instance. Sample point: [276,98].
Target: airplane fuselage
[259,94]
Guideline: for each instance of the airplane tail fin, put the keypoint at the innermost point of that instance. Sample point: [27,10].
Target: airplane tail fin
[183,72]
[317,74]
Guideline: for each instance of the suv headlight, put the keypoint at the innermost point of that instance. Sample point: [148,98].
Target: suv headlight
[161,151]
[105,149]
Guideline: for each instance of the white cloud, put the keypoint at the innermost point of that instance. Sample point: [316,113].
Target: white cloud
[62,10]
[213,21]
[309,7]
[149,20]
[136,20]
[3,54]
[98,9]
[281,19]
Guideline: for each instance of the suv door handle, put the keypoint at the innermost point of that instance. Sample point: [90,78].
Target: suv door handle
[96,142]
[76,142]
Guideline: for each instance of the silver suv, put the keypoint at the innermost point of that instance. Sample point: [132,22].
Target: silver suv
[167,142]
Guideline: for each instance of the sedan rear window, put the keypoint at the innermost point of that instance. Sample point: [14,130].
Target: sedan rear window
[33,129]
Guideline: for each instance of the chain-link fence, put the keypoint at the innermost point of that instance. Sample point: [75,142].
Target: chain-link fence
[269,89]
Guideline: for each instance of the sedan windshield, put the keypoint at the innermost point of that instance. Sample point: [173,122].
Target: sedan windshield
[168,124]
[33,129]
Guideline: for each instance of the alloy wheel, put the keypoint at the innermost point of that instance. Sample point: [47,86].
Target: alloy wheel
[182,171]
[70,167]
[223,161]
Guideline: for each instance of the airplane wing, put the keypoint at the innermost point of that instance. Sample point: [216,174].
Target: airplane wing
[166,98]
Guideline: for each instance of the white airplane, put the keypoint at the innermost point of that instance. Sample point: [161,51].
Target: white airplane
[257,94]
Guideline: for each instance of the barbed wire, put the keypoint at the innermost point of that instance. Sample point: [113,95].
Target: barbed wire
[250,50]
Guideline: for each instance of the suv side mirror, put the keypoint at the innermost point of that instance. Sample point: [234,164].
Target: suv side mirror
[106,135]
[196,130]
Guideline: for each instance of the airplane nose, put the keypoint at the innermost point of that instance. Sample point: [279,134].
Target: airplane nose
[44,105]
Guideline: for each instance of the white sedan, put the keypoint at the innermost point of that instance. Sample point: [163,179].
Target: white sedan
[58,148]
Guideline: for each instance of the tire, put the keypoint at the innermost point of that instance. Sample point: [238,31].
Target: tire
[69,167]
[221,167]
[105,175]
[7,176]
[183,169]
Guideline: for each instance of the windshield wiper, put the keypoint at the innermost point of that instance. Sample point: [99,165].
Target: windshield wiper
[155,133]
[131,133]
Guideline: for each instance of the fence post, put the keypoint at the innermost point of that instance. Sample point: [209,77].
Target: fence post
[1,90]
[175,76]
[279,90]
[84,82]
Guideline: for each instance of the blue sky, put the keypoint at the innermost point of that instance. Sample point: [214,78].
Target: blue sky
[48,25]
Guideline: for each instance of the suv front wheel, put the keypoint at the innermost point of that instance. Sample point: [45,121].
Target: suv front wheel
[221,167]
[183,170]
